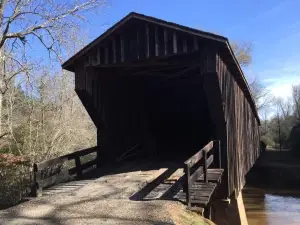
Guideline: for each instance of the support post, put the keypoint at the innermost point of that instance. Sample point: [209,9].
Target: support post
[187,186]
[36,189]
[205,167]
[207,212]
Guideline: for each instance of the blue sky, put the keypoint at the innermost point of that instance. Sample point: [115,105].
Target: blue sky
[273,26]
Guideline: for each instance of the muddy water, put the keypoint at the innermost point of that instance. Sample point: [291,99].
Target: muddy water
[272,192]
[272,207]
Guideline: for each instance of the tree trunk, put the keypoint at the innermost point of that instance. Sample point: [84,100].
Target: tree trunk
[2,60]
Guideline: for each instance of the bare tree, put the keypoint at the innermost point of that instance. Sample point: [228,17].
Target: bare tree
[296,100]
[262,96]
[48,21]
[242,52]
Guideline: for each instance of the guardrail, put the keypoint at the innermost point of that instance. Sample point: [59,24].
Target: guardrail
[198,164]
[41,179]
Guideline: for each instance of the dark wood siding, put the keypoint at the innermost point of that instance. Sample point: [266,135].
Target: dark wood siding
[242,128]
[141,41]
[156,45]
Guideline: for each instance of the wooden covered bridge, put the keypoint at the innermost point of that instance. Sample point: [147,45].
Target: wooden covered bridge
[158,91]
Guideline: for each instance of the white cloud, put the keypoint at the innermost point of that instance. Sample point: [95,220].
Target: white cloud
[280,79]
[282,86]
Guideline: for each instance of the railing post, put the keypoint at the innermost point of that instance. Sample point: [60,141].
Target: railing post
[205,167]
[78,166]
[36,189]
[187,184]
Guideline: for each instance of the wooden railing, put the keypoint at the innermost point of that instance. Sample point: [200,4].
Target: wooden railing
[43,178]
[198,164]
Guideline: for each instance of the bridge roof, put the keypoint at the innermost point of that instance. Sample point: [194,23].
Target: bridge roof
[220,41]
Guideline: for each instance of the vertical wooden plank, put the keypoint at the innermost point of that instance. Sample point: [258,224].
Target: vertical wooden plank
[36,189]
[152,46]
[90,59]
[118,48]
[179,43]
[174,42]
[98,56]
[122,48]
[142,40]
[138,44]
[132,45]
[147,41]
[205,167]
[207,212]
[187,185]
[156,41]
[190,43]
[114,50]
[161,41]
[195,42]
[184,43]
[106,55]
[165,41]
[127,46]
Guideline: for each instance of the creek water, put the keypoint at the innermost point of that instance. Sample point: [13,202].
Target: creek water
[272,192]
[271,207]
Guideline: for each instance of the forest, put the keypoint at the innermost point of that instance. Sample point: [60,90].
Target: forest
[41,116]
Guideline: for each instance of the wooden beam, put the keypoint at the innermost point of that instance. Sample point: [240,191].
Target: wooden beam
[194,159]
[208,147]
[199,155]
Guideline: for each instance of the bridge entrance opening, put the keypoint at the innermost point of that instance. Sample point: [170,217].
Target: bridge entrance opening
[162,114]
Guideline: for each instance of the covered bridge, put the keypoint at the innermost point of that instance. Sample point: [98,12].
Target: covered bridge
[169,90]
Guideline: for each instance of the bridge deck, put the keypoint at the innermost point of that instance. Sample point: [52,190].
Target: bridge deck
[99,200]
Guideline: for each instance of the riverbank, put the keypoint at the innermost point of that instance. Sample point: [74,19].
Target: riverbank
[275,169]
